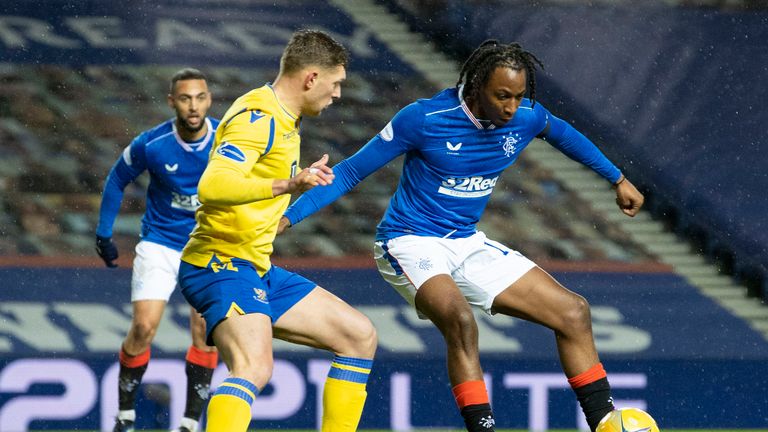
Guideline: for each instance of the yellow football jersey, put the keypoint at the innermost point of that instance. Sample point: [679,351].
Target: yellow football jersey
[257,141]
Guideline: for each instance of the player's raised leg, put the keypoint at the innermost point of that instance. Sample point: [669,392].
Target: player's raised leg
[322,320]
[539,298]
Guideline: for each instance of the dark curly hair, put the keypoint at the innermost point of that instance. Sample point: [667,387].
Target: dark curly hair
[491,54]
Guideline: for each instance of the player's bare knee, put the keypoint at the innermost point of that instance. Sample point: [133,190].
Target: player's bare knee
[576,318]
[142,332]
[461,329]
[368,340]
[256,371]
[360,339]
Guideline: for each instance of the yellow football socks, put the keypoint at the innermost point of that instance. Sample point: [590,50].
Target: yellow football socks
[229,410]
[344,394]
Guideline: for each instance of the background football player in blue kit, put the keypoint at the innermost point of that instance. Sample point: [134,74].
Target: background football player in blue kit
[175,154]
[456,146]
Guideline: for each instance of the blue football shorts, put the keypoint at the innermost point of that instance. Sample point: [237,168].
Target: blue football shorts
[226,287]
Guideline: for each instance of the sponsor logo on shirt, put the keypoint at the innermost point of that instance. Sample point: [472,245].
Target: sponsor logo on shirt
[255,115]
[231,151]
[218,266]
[171,168]
[184,202]
[453,149]
[468,187]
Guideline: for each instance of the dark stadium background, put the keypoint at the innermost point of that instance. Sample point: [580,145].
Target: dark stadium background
[673,91]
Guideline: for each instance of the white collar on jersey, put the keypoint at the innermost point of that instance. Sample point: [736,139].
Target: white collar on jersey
[469,114]
[198,146]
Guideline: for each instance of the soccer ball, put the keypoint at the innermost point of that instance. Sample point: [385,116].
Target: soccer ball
[627,420]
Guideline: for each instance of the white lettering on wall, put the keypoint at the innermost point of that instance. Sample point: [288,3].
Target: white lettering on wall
[31,324]
[289,390]
[172,34]
[165,372]
[77,400]
[103,32]
[82,391]
[612,336]
[111,32]
[16,32]
[393,334]
[539,384]
[317,371]
[103,328]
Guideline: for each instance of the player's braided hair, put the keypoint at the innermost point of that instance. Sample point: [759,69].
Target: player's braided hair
[487,57]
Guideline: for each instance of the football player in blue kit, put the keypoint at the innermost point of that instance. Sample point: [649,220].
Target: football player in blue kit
[175,154]
[456,145]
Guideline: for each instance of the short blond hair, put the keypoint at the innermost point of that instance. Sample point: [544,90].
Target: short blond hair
[312,47]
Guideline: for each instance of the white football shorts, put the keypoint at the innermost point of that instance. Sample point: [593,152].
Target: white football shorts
[481,268]
[155,269]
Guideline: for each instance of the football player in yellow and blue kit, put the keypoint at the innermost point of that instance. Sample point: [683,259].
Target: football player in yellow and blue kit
[226,272]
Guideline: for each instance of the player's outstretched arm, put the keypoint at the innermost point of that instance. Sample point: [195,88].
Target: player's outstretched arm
[628,198]
[318,174]
[225,183]
[395,139]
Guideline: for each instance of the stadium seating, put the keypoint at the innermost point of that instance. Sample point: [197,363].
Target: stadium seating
[682,116]
[67,125]
[81,79]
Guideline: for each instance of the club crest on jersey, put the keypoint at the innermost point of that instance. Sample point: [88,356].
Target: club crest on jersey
[425,264]
[260,295]
[231,151]
[510,144]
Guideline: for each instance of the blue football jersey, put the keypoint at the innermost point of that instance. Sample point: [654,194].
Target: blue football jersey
[452,163]
[174,168]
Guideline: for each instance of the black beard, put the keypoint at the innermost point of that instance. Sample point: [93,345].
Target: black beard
[189,128]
